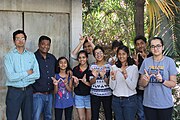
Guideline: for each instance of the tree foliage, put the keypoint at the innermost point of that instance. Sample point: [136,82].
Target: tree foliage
[109,20]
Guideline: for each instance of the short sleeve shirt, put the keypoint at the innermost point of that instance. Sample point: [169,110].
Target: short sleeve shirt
[157,95]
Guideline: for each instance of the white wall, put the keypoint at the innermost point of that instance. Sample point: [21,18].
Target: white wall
[76,25]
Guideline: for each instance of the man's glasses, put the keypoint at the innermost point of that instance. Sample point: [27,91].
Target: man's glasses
[20,39]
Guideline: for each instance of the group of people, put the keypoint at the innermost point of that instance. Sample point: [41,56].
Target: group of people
[130,86]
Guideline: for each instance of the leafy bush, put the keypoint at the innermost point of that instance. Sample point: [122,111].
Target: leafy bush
[176,94]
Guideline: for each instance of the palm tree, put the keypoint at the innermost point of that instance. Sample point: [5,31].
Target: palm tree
[167,26]
[139,17]
[162,21]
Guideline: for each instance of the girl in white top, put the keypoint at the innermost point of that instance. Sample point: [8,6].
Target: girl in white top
[123,80]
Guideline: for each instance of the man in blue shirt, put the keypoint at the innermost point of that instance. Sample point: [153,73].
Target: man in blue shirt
[43,86]
[21,68]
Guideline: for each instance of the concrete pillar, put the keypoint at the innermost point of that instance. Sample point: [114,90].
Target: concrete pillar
[76,25]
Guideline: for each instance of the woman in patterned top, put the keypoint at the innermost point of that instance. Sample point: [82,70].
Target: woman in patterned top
[63,90]
[100,90]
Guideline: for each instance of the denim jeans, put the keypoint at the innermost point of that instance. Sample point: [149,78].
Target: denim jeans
[42,104]
[18,99]
[82,101]
[124,108]
[140,110]
[68,113]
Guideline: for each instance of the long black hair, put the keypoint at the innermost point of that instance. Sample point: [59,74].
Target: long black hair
[57,65]
[130,61]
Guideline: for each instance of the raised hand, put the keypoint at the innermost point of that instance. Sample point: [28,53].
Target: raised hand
[84,78]
[76,80]
[103,72]
[113,75]
[135,57]
[55,82]
[82,38]
[95,73]
[124,72]
[143,54]
[70,73]
[90,38]
[113,61]
[146,76]
[65,81]
[159,76]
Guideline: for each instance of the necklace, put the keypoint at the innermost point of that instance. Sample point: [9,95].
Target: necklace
[155,70]
[158,62]
[83,68]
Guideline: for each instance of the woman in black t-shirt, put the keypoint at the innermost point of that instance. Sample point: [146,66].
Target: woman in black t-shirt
[81,75]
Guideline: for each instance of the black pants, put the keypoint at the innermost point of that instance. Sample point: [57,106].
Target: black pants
[158,114]
[95,106]
[19,99]
[68,113]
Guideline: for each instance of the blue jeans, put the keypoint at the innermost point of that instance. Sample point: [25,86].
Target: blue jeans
[140,110]
[124,108]
[42,103]
[18,99]
[82,101]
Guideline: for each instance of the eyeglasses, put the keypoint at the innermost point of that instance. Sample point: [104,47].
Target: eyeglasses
[99,53]
[20,39]
[157,46]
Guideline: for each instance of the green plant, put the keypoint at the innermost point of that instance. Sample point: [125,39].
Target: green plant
[176,94]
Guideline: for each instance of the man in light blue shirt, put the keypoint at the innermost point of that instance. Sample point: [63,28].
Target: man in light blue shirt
[22,69]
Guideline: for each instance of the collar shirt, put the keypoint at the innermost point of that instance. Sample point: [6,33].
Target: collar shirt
[16,66]
[47,70]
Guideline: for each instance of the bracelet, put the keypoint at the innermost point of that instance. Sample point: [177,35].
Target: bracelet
[162,81]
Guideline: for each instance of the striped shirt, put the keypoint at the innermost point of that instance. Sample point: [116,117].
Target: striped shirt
[100,87]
